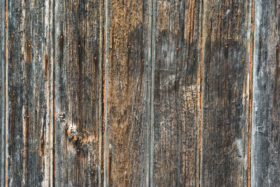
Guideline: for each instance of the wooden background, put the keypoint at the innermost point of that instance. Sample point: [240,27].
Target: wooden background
[140,93]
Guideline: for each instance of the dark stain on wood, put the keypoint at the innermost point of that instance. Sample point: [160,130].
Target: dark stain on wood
[29,52]
[259,55]
[225,78]
[42,146]
[275,95]
[46,68]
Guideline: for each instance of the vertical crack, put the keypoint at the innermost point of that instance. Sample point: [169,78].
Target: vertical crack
[100,93]
[199,162]
[6,95]
[3,91]
[53,93]
[105,86]
[151,59]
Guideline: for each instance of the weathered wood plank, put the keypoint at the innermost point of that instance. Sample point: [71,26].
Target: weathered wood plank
[28,93]
[2,94]
[127,89]
[177,93]
[265,130]
[77,93]
[226,67]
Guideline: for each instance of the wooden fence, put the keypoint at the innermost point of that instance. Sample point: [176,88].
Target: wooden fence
[140,93]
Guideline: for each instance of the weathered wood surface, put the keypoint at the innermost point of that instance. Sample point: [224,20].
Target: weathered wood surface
[76,93]
[265,129]
[139,93]
[226,71]
[177,93]
[2,95]
[127,83]
[27,126]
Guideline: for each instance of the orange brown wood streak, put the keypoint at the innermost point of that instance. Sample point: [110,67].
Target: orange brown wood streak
[250,93]
[201,117]
[29,52]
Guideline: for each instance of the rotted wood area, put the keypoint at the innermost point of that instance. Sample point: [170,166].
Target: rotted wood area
[139,93]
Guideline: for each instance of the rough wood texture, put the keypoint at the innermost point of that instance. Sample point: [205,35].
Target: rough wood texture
[2,94]
[76,93]
[226,67]
[128,123]
[27,124]
[139,93]
[265,130]
[177,93]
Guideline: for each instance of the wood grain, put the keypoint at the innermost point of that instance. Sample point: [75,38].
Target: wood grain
[265,130]
[128,98]
[28,125]
[226,65]
[177,93]
[77,93]
[139,93]
[3,94]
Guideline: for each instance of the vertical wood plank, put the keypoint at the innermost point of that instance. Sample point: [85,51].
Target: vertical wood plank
[127,122]
[28,93]
[265,130]
[177,93]
[226,86]
[77,93]
[2,93]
